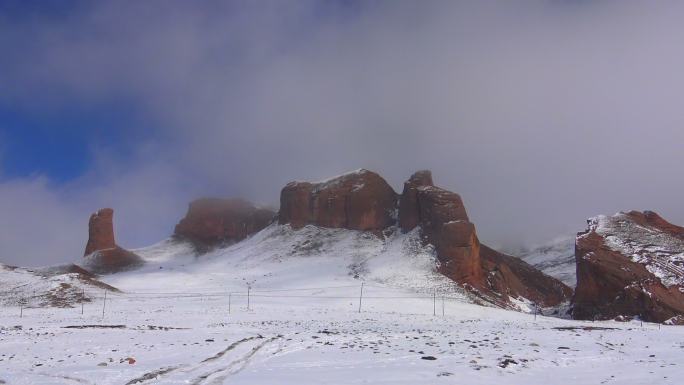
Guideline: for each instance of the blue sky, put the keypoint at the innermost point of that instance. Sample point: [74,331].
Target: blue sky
[539,113]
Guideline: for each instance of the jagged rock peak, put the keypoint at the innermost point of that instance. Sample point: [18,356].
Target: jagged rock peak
[358,200]
[212,222]
[102,254]
[629,265]
[100,231]
[409,213]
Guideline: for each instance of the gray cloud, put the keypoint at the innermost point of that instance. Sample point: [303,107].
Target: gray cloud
[540,113]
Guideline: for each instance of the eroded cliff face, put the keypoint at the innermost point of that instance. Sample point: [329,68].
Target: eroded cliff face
[409,211]
[100,231]
[214,222]
[630,265]
[360,200]
[102,254]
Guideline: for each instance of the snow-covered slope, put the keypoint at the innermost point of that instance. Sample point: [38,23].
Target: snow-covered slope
[661,252]
[555,258]
[186,319]
[54,286]
[281,258]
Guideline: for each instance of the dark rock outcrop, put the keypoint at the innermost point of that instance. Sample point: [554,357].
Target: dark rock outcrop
[213,222]
[444,223]
[505,275]
[630,265]
[102,254]
[100,231]
[360,200]
[409,211]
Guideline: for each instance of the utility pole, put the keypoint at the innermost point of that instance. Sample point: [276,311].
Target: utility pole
[104,303]
[360,297]
[434,303]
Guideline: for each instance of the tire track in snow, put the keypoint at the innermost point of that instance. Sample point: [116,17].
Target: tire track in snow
[155,374]
[233,367]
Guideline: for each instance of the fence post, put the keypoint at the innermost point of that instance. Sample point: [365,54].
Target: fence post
[360,297]
[21,308]
[229,298]
[82,300]
[442,306]
[104,303]
[248,289]
[535,311]
[434,303]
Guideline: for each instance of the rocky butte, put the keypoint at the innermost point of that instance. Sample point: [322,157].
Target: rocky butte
[360,200]
[363,200]
[215,222]
[102,254]
[630,265]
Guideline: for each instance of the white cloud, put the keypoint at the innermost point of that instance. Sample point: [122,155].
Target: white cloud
[540,113]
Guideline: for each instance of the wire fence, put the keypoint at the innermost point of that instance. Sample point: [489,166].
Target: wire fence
[363,297]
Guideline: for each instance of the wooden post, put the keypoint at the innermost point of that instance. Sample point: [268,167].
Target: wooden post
[248,289]
[535,311]
[21,309]
[442,306]
[82,300]
[360,297]
[104,303]
[434,303]
[229,297]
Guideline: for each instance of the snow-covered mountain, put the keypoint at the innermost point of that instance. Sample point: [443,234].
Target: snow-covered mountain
[555,258]
[188,319]
[281,258]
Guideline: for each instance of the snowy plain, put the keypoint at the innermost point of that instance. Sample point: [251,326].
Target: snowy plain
[183,319]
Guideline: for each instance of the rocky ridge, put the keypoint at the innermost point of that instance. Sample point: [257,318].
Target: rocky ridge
[102,254]
[215,222]
[362,200]
[630,265]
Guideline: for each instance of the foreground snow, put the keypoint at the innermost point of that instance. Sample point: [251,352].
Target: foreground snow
[185,320]
[326,341]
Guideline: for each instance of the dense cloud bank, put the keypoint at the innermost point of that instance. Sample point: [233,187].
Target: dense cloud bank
[539,113]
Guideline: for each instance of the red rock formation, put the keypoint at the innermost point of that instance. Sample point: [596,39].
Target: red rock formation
[444,223]
[213,222]
[459,250]
[409,211]
[630,265]
[438,207]
[100,231]
[505,275]
[360,200]
[102,255]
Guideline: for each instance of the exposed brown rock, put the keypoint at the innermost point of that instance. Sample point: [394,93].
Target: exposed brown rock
[296,200]
[360,200]
[100,231]
[507,275]
[438,207]
[444,223]
[459,250]
[409,211]
[212,222]
[102,255]
[630,265]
